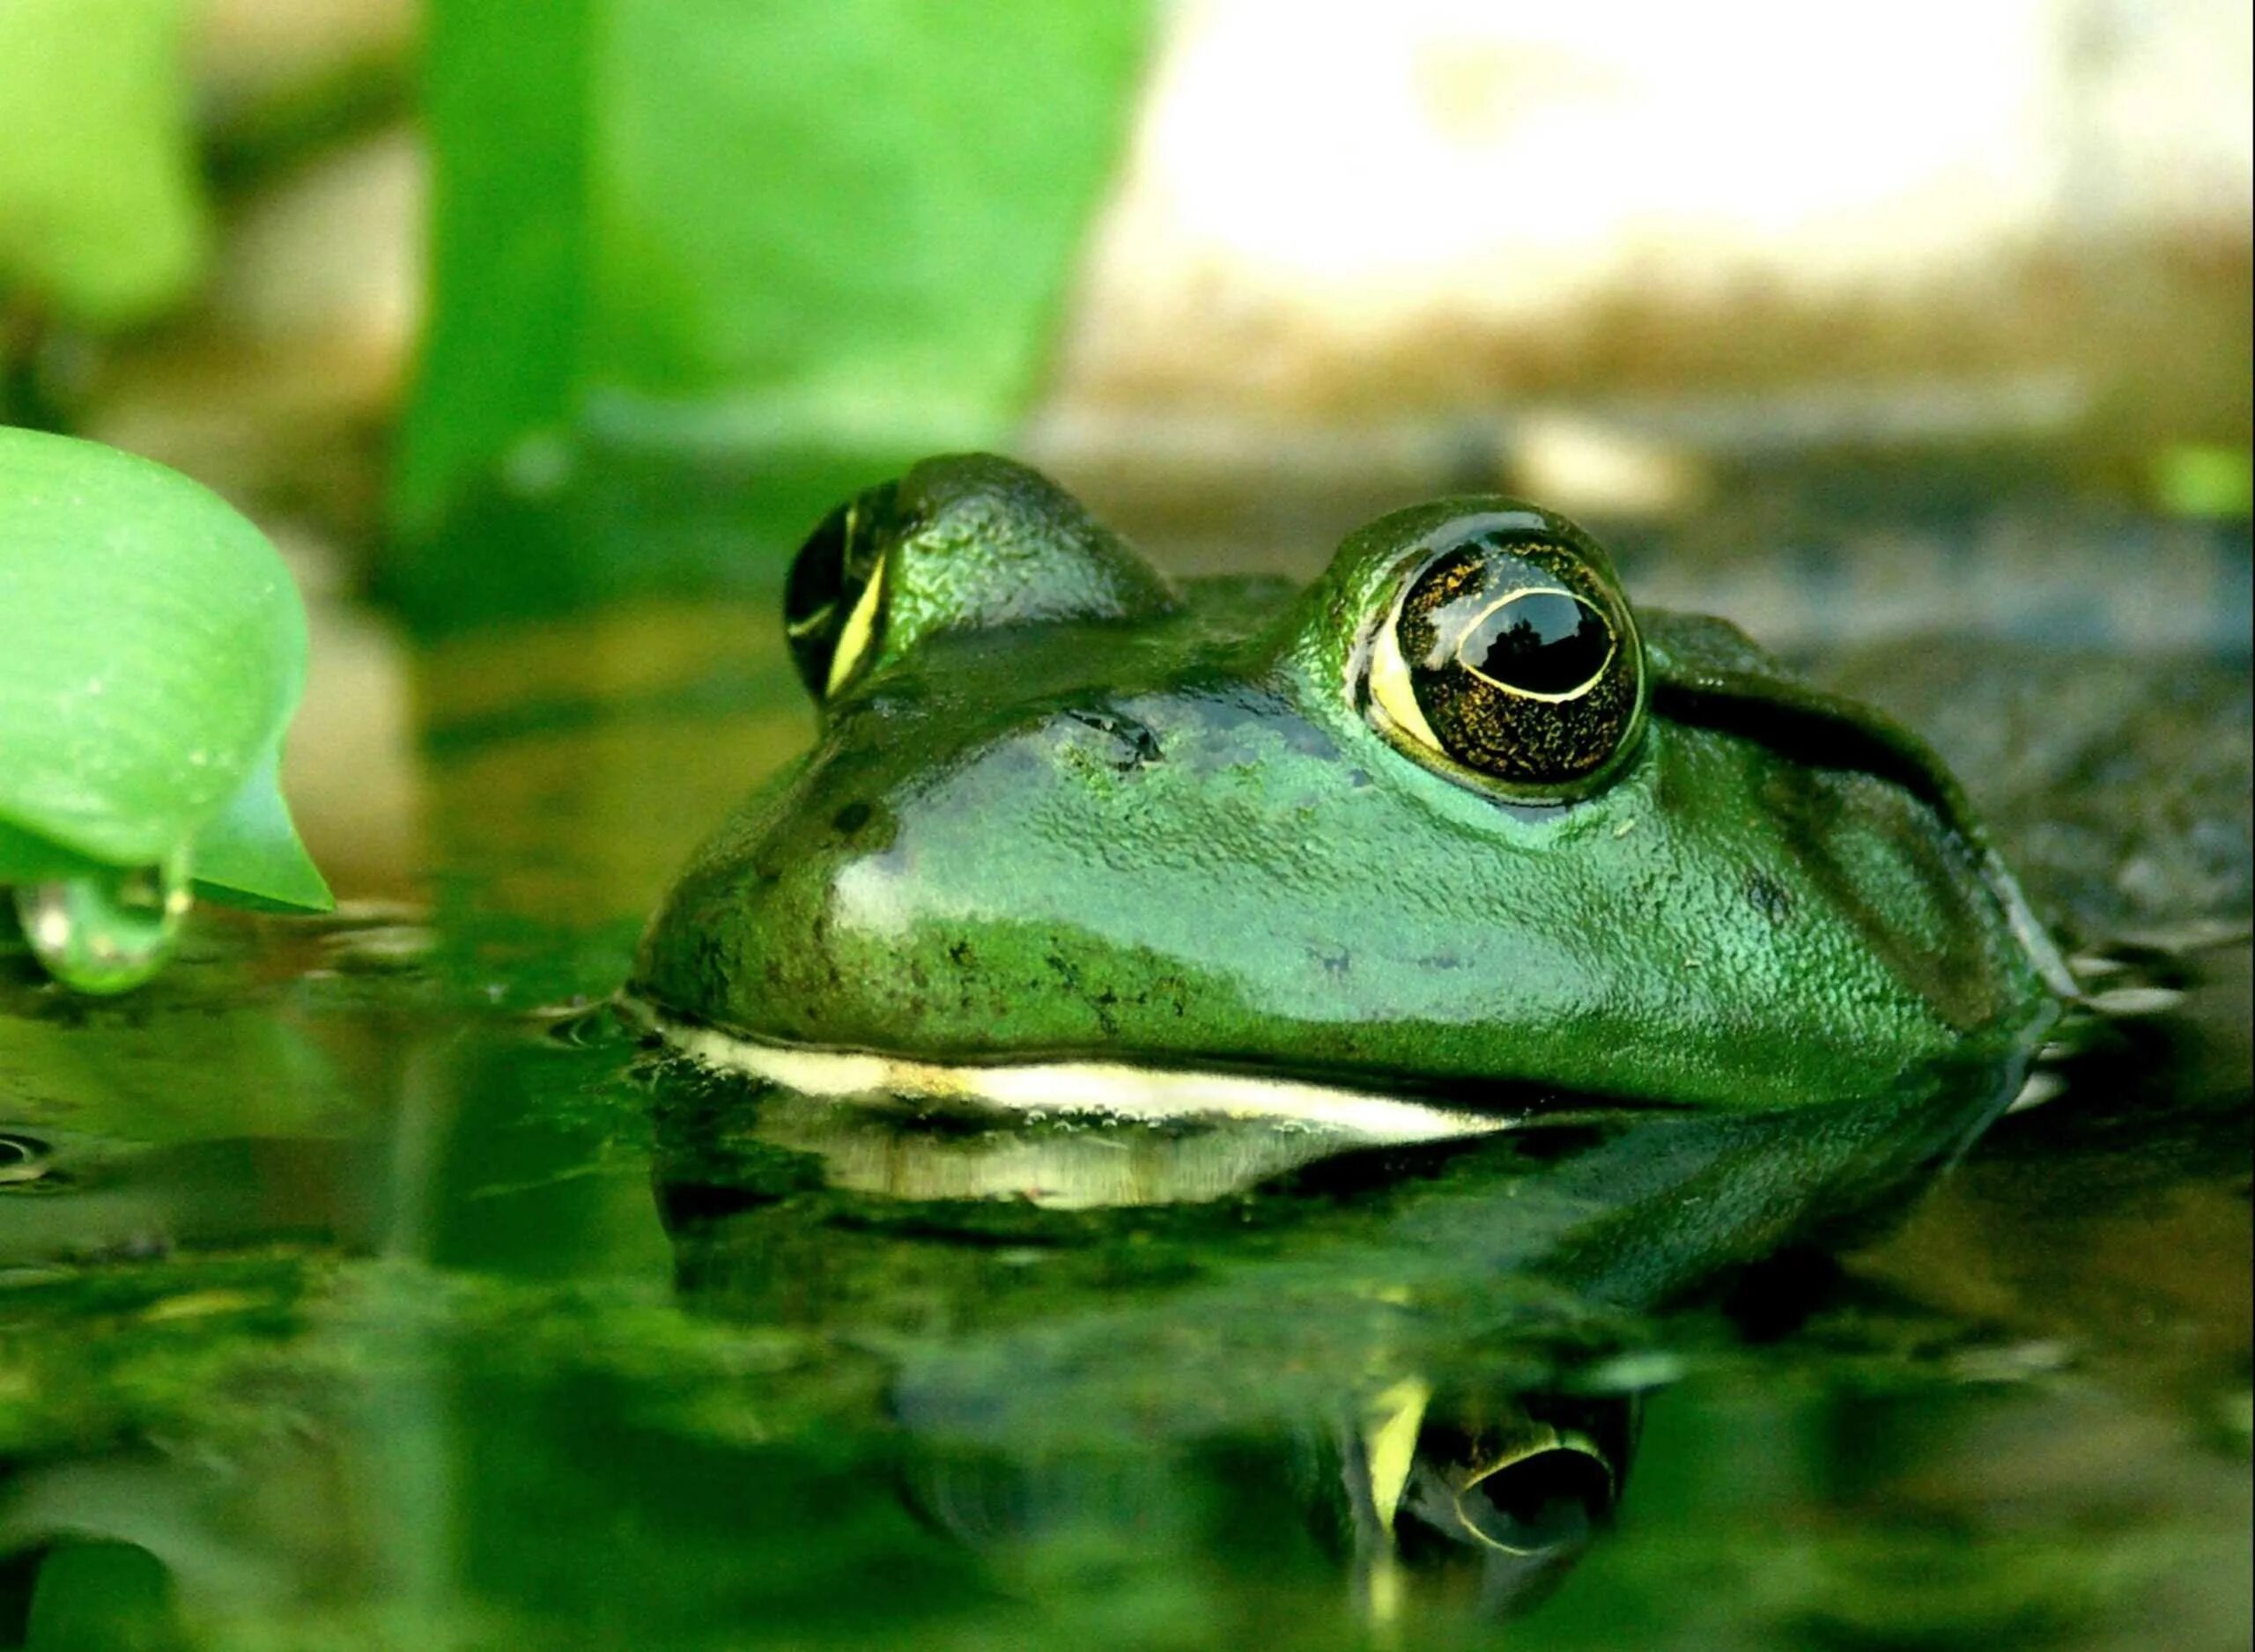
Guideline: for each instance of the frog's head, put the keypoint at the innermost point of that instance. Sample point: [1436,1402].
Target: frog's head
[1456,822]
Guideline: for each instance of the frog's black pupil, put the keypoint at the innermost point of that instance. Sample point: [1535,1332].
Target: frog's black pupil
[1544,1501]
[1545,642]
[818,576]
[829,574]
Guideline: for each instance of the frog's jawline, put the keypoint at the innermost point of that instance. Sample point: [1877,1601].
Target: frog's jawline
[1108,1089]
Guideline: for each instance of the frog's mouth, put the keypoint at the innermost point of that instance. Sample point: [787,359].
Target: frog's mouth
[1111,1091]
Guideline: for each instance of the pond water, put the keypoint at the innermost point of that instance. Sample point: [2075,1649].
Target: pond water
[365,1284]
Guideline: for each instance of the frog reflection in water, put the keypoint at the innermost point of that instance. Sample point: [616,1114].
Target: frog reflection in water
[1473,1495]
[1450,835]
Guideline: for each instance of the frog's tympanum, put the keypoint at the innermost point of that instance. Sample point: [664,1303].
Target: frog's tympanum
[1455,833]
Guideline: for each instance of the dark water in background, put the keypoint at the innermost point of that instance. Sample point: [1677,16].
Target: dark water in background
[357,1290]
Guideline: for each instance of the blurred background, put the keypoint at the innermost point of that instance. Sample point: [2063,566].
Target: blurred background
[495,319]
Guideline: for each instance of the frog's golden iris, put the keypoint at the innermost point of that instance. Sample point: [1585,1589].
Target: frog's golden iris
[1512,656]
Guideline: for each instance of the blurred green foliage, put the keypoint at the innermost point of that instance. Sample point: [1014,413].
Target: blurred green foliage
[102,1597]
[101,213]
[698,266]
[2204,480]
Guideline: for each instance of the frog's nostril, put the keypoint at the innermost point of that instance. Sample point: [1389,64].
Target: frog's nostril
[833,600]
[1137,745]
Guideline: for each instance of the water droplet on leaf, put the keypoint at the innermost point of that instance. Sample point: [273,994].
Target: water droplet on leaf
[107,932]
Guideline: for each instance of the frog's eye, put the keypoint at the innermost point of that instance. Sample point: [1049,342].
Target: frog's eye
[833,602]
[1514,656]
[962,545]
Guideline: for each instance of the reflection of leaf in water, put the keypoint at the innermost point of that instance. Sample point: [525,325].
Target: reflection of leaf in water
[166,1070]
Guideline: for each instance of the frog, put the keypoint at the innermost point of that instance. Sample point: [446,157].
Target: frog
[1453,838]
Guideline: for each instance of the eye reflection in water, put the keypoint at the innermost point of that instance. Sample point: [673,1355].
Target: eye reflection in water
[1463,1501]
[1501,1492]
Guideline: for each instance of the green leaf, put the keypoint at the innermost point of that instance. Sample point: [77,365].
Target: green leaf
[101,211]
[25,859]
[697,265]
[152,648]
[508,114]
[249,855]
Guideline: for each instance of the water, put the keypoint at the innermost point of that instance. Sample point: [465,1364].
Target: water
[363,1283]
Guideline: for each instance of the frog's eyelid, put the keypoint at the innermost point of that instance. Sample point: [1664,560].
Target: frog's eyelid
[1390,689]
[859,632]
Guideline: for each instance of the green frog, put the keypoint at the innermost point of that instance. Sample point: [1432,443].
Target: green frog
[1453,838]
